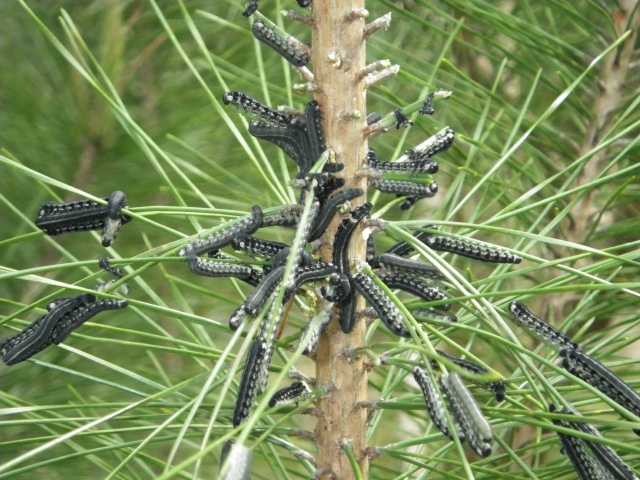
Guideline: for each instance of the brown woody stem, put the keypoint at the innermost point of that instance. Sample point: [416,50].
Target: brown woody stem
[338,55]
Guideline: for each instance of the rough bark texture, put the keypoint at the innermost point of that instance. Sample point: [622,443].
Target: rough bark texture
[338,55]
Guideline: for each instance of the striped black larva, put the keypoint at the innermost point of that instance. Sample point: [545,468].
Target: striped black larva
[248,224]
[84,215]
[388,312]
[435,406]
[601,378]
[249,382]
[471,249]
[553,337]
[468,414]
[286,49]
[292,394]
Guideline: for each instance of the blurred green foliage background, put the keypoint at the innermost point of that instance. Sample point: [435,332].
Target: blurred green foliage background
[506,62]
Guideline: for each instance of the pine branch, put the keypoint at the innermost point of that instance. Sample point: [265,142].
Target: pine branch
[338,56]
